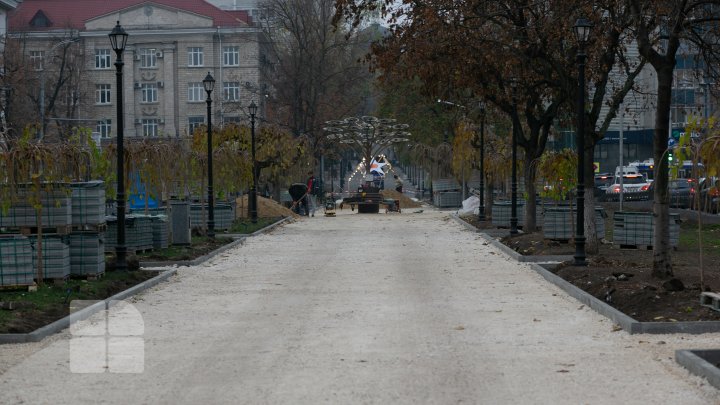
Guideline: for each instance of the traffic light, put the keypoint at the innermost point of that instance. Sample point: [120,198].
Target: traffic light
[670,157]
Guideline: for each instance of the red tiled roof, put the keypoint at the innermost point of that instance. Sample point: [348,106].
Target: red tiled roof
[241,15]
[74,13]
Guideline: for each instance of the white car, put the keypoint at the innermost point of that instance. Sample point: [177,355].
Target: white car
[635,187]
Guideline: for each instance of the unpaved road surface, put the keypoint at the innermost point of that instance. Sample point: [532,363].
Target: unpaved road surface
[389,308]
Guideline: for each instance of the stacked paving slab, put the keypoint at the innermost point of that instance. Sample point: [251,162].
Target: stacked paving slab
[224,214]
[71,233]
[558,223]
[16,264]
[87,240]
[636,229]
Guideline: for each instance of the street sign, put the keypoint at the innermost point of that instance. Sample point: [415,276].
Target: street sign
[596,167]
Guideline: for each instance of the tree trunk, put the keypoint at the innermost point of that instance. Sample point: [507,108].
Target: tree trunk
[592,244]
[489,191]
[662,266]
[530,211]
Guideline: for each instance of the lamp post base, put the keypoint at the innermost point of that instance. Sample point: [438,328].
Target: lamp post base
[579,258]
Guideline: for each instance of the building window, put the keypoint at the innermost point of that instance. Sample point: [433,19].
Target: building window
[148,58]
[102,59]
[104,127]
[195,56]
[231,91]
[194,123]
[231,56]
[72,98]
[102,94]
[233,119]
[630,151]
[36,59]
[196,92]
[599,151]
[150,127]
[683,96]
[149,92]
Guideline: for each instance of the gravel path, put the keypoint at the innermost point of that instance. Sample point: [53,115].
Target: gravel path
[409,308]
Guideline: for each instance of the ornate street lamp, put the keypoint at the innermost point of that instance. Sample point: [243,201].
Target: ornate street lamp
[252,109]
[582,30]
[209,84]
[118,39]
[513,181]
[481,209]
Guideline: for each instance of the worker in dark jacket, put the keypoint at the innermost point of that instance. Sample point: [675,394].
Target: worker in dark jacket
[309,199]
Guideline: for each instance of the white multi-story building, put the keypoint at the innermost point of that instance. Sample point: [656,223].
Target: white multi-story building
[172,45]
[690,97]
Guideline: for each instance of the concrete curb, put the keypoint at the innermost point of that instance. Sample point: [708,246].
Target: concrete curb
[47,330]
[240,239]
[196,261]
[548,261]
[629,324]
[271,226]
[701,363]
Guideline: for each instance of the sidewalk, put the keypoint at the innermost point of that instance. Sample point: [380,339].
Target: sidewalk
[361,308]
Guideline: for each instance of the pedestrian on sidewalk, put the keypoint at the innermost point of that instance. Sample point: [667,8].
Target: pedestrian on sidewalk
[309,200]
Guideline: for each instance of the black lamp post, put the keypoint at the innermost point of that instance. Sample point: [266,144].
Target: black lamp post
[209,84]
[118,39]
[513,181]
[481,209]
[252,108]
[582,30]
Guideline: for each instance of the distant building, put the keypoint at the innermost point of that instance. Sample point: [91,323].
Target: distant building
[172,45]
[5,7]
[690,97]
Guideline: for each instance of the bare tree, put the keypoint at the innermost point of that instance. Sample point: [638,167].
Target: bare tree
[45,87]
[662,28]
[317,75]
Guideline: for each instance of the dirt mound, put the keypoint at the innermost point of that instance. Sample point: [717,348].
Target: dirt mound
[405,202]
[267,208]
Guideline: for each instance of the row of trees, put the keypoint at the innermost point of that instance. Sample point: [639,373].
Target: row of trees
[312,71]
[519,57]
[165,166]
[316,74]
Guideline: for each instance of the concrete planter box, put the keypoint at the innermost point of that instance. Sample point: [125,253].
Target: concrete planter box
[636,229]
[558,222]
[439,185]
[447,199]
[501,213]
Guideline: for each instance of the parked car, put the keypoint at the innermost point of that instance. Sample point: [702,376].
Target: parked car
[682,192]
[710,194]
[602,182]
[635,187]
